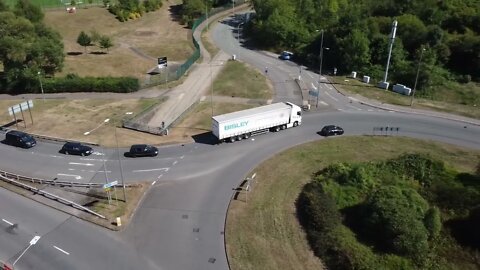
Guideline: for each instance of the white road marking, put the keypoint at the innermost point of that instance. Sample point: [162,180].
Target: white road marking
[340,109]
[151,170]
[61,250]
[182,157]
[83,164]
[350,106]
[324,103]
[175,162]
[98,153]
[78,177]
[370,110]
[391,111]
[153,183]
[181,96]
[313,86]
[160,176]
[8,222]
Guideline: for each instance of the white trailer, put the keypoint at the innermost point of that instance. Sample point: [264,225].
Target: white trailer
[243,124]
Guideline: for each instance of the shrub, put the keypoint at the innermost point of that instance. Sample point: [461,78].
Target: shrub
[433,222]
[73,83]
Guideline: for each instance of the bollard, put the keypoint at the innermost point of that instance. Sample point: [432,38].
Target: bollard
[119,222]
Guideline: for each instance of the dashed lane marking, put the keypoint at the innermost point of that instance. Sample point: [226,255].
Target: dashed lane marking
[8,222]
[82,164]
[59,249]
[151,170]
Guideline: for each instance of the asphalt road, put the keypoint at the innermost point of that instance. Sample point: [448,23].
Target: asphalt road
[180,223]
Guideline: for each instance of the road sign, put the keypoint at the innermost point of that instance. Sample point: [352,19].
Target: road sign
[20,107]
[111,184]
[162,62]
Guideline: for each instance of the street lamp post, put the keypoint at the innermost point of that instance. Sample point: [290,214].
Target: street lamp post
[121,167]
[104,150]
[238,31]
[320,68]
[41,85]
[416,77]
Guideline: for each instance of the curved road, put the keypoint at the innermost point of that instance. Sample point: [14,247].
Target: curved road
[180,223]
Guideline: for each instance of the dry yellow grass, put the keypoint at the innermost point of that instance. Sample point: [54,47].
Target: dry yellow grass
[153,35]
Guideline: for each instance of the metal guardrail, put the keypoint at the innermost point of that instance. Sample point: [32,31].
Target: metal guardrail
[50,196]
[54,182]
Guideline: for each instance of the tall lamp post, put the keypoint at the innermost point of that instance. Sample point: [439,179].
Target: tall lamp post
[120,164]
[41,85]
[321,63]
[416,77]
[104,150]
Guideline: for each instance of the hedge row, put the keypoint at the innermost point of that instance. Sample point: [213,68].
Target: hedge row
[91,84]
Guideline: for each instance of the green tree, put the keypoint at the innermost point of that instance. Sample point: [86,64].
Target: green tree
[395,217]
[355,49]
[105,42]
[3,6]
[27,9]
[84,40]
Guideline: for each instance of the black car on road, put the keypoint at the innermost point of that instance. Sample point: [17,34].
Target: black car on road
[331,130]
[75,148]
[142,150]
[19,139]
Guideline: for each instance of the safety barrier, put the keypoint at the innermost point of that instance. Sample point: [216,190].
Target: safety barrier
[50,196]
[54,182]
[385,130]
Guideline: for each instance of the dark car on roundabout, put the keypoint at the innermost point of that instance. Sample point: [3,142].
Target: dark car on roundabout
[75,148]
[331,130]
[142,150]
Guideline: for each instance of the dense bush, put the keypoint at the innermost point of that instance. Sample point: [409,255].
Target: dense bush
[73,83]
[388,215]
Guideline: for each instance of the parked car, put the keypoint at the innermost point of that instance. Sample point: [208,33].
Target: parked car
[75,148]
[286,55]
[142,150]
[331,130]
[20,139]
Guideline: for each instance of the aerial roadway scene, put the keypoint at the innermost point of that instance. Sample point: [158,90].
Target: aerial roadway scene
[239,134]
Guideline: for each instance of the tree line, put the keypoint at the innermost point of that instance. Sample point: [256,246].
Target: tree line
[357,33]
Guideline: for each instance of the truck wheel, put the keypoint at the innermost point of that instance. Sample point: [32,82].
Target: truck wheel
[232,139]
[277,129]
[246,136]
[239,137]
[284,127]
[295,124]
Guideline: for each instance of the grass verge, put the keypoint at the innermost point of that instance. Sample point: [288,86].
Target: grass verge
[239,80]
[262,230]
[451,101]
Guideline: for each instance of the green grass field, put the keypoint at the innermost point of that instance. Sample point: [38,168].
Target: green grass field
[262,230]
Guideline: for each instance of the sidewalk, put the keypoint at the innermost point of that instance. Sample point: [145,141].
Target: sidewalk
[199,80]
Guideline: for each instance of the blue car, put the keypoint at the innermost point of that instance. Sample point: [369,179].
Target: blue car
[286,55]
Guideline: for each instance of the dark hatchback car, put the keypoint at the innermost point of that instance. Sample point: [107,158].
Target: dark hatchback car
[74,148]
[142,150]
[331,130]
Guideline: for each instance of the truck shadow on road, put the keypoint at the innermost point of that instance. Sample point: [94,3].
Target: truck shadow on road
[205,138]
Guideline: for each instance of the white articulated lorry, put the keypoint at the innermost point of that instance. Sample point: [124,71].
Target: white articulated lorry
[243,124]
